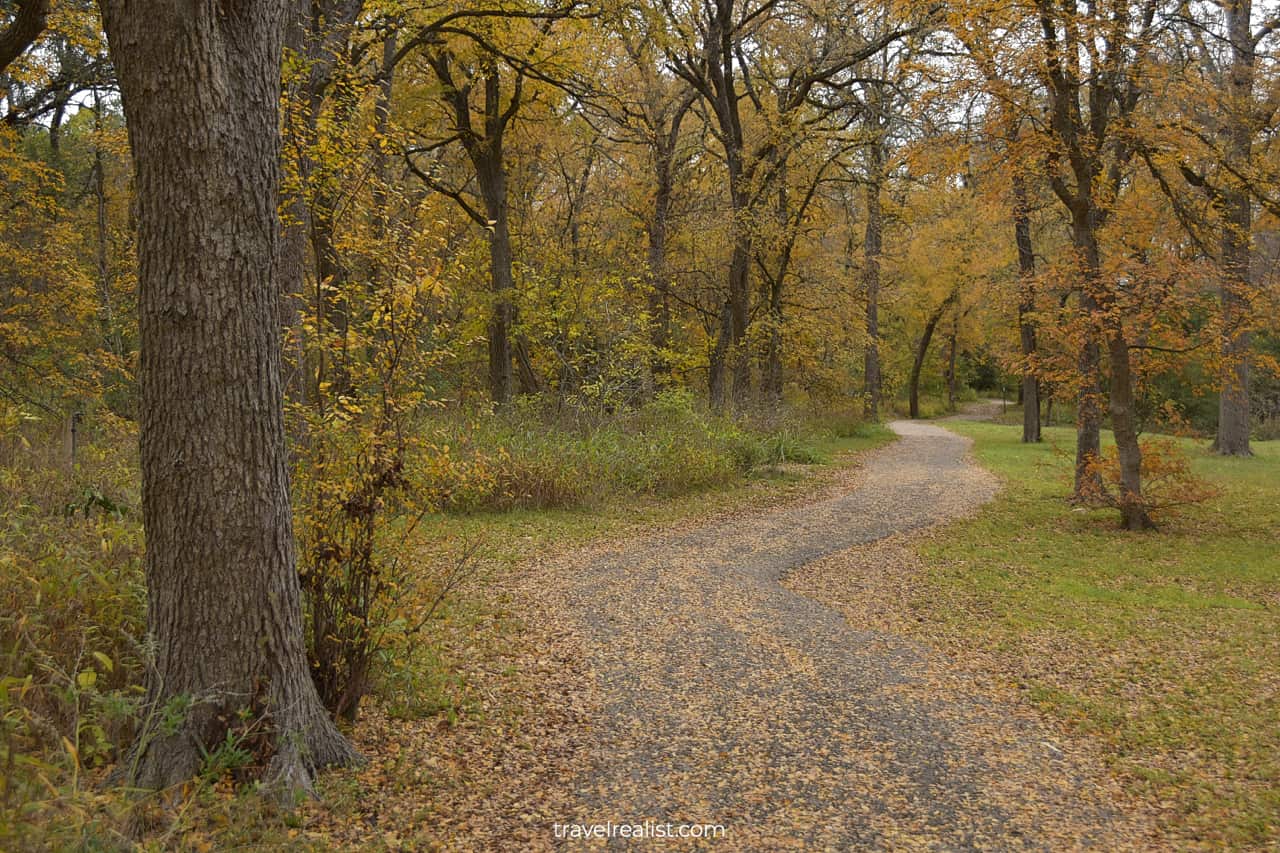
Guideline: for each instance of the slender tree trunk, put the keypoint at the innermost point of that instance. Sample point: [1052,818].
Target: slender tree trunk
[332,303]
[201,90]
[1030,392]
[740,272]
[951,364]
[1133,513]
[110,338]
[316,32]
[1088,480]
[378,151]
[56,118]
[922,350]
[872,246]
[659,281]
[493,188]
[718,379]
[773,354]
[730,358]
[1237,231]
[666,139]
[773,357]
[1103,317]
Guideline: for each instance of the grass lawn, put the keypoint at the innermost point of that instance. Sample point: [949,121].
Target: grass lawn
[1164,645]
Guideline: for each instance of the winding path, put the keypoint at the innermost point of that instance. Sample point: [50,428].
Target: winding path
[730,699]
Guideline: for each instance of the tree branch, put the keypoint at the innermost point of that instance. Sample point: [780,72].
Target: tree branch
[26,27]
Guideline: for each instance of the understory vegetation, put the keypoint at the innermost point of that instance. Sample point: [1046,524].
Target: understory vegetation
[1165,646]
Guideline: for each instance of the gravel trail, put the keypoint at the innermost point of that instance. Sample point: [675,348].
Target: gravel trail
[729,699]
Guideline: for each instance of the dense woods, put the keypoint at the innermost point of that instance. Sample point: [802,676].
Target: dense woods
[345,266]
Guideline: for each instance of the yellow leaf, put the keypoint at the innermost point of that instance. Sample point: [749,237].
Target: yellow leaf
[71,750]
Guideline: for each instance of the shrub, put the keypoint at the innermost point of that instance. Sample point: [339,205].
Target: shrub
[1167,480]
[786,446]
[72,611]
[541,456]
[1266,429]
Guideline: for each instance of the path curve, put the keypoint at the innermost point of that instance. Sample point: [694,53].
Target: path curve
[729,699]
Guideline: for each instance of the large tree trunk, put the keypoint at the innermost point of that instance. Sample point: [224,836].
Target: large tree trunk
[1087,115]
[1030,394]
[872,245]
[502,317]
[201,90]
[1233,403]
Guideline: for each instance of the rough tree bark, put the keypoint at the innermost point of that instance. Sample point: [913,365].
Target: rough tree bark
[1099,304]
[1237,211]
[1124,424]
[201,90]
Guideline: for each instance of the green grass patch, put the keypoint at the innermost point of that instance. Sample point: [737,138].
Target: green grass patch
[1165,645]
